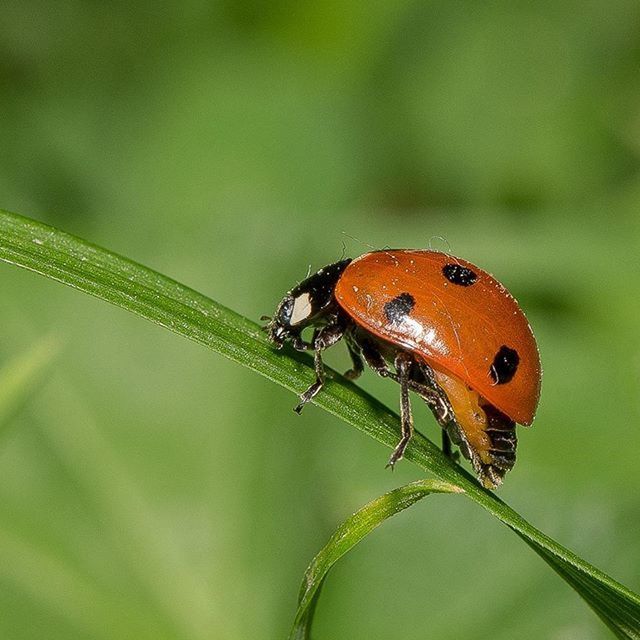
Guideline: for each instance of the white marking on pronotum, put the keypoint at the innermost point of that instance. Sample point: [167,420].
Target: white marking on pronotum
[301,308]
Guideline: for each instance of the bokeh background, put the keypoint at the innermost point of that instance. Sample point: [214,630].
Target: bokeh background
[151,489]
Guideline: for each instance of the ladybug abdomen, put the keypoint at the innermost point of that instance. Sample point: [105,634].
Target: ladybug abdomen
[451,313]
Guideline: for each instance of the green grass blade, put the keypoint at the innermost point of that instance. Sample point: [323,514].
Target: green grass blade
[612,606]
[348,534]
[86,267]
[20,376]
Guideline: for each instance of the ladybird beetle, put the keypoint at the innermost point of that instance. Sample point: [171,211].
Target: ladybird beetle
[437,325]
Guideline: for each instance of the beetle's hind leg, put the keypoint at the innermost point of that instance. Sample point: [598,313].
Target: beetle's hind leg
[441,408]
[323,338]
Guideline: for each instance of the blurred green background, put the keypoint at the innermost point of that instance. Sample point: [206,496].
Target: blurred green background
[151,489]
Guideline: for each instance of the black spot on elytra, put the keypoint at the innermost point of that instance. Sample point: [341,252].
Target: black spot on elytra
[505,365]
[457,274]
[399,308]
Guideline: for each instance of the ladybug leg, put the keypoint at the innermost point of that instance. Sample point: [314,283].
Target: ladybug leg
[301,345]
[403,364]
[422,382]
[441,408]
[322,339]
[375,360]
[435,397]
[356,359]
[424,386]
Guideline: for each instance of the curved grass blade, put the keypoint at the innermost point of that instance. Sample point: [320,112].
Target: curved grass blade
[149,294]
[348,534]
[20,375]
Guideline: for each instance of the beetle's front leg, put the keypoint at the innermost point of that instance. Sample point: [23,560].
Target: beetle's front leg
[301,345]
[322,339]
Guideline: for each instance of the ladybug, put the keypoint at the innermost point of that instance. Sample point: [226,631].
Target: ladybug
[437,325]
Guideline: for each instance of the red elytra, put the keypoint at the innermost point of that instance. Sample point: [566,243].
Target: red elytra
[458,327]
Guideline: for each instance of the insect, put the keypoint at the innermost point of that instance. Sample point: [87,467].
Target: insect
[437,325]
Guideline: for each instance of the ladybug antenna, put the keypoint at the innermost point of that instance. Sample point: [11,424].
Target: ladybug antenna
[299,282]
[364,244]
[344,250]
[443,240]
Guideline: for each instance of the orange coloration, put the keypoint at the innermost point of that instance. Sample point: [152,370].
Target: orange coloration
[470,415]
[459,327]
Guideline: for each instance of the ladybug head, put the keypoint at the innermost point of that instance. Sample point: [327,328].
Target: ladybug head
[305,305]
[280,328]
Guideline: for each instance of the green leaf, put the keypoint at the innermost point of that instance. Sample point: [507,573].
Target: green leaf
[20,375]
[347,536]
[149,294]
